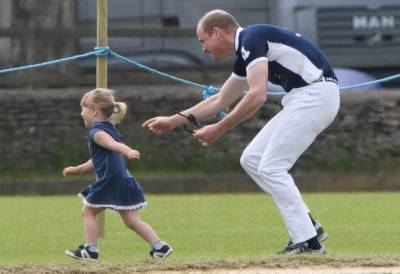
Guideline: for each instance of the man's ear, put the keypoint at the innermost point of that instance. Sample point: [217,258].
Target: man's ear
[219,33]
[216,31]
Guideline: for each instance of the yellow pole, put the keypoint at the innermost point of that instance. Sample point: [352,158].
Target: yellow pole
[102,41]
[101,77]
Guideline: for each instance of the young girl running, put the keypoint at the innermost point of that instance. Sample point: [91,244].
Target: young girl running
[115,188]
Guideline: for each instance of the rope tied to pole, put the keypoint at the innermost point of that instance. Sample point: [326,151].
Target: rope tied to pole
[102,51]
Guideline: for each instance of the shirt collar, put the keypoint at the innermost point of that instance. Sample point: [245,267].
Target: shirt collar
[238,31]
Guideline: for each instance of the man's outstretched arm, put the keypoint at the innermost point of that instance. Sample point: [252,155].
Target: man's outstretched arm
[230,92]
[257,77]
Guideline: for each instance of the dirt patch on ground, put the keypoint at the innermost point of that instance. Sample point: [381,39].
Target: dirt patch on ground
[301,270]
[289,264]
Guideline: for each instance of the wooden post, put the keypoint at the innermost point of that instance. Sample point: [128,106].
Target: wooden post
[101,76]
[102,41]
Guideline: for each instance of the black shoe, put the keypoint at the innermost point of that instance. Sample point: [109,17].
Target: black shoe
[321,236]
[301,248]
[161,253]
[82,253]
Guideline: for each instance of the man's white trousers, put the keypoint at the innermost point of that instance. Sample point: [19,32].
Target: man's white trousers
[271,154]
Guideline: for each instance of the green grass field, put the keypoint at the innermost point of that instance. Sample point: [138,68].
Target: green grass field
[205,230]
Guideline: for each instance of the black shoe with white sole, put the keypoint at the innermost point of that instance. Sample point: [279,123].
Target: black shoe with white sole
[82,253]
[302,248]
[321,236]
[161,253]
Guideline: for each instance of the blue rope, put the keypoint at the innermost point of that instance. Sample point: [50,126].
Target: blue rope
[62,60]
[163,74]
[207,90]
[102,51]
[346,88]
[386,79]
[210,90]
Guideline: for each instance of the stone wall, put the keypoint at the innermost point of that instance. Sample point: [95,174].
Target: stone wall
[41,132]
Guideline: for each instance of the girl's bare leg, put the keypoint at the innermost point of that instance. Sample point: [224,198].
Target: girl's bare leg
[90,224]
[132,220]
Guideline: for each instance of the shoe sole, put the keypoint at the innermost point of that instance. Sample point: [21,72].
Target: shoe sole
[323,237]
[322,251]
[165,255]
[70,254]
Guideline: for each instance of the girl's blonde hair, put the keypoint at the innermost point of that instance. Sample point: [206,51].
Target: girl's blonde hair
[104,100]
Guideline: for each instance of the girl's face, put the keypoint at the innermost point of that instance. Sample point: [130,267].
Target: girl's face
[88,115]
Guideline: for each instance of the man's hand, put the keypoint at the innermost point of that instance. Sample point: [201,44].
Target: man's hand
[133,154]
[160,124]
[208,134]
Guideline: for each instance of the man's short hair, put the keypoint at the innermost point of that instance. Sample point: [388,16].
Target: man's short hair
[218,18]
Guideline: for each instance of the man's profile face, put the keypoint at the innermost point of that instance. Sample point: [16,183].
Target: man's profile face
[209,42]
